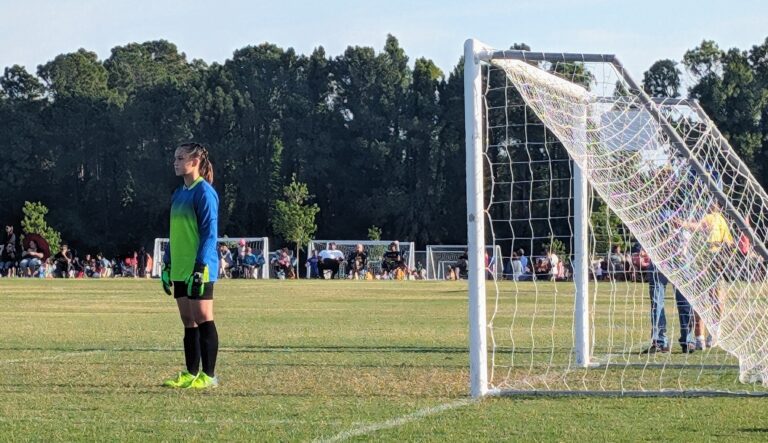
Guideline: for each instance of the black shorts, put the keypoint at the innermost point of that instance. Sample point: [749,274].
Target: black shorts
[180,290]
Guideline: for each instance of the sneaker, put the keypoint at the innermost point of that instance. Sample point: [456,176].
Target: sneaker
[182,380]
[700,346]
[203,381]
[711,341]
[688,348]
[654,348]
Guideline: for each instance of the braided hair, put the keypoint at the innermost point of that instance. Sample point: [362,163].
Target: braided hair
[196,150]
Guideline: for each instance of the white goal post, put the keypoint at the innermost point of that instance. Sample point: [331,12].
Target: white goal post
[258,244]
[441,258]
[374,249]
[549,138]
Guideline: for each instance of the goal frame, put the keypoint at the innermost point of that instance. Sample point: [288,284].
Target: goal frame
[433,269]
[475,54]
[410,256]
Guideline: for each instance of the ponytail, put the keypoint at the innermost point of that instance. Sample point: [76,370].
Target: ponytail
[199,151]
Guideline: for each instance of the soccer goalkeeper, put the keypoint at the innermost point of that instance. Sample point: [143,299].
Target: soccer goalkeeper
[190,264]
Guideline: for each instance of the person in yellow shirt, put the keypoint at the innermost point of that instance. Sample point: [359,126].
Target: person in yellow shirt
[719,239]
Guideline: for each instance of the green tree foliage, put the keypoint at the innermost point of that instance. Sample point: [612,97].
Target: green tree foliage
[294,218]
[732,87]
[34,223]
[376,136]
[662,79]
[374,233]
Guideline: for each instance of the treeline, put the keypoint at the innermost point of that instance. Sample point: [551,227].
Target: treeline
[378,141]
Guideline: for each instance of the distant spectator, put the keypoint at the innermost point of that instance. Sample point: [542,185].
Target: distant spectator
[357,262]
[103,265]
[284,264]
[616,263]
[392,259]
[312,264]
[63,262]
[143,263]
[523,260]
[8,260]
[330,259]
[555,266]
[31,259]
[419,272]
[225,261]
[461,267]
[252,263]
[517,267]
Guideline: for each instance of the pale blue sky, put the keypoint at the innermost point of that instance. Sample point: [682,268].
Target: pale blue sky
[639,32]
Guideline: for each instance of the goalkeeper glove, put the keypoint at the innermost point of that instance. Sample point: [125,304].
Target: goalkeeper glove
[195,281]
[165,278]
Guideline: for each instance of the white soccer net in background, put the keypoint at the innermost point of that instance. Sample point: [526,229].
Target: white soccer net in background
[442,258]
[260,245]
[666,172]
[374,249]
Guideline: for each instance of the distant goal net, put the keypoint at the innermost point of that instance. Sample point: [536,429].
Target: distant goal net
[374,250]
[443,260]
[570,163]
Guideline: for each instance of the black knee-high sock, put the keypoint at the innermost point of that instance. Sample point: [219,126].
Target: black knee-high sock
[192,349]
[209,346]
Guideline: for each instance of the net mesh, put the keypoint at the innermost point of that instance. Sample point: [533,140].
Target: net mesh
[699,215]
[259,245]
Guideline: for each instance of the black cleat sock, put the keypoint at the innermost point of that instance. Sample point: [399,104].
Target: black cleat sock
[192,349]
[209,346]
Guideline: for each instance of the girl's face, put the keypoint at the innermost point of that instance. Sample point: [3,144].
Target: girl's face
[183,164]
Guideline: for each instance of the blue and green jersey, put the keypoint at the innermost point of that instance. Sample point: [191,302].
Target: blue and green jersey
[194,229]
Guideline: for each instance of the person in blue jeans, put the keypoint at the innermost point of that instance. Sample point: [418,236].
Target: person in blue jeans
[657,286]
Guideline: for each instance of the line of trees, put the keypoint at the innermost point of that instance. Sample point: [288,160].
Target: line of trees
[376,140]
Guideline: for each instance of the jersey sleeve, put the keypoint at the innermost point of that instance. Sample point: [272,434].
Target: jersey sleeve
[207,212]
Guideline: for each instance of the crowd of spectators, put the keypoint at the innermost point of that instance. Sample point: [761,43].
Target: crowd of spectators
[29,260]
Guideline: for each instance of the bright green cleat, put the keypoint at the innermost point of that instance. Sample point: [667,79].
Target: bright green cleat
[203,381]
[183,380]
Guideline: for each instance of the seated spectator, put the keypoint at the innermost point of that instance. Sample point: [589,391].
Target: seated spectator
[516,267]
[63,262]
[283,264]
[31,259]
[461,268]
[330,259]
[419,272]
[252,263]
[556,269]
[357,262]
[225,261]
[392,259]
[543,268]
[8,260]
[104,265]
[312,265]
[616,263]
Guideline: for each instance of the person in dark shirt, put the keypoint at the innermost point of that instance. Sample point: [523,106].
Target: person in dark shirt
[357,262]
[63,262]
[461,266]
[392,259]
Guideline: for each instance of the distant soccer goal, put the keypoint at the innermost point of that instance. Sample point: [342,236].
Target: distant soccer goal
[258,244]
[374,249]
[551,137]
[441,259]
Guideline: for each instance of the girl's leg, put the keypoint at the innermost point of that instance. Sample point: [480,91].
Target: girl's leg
[202,312]
[191,335]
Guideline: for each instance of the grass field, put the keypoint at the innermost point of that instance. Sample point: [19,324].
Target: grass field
[299,361]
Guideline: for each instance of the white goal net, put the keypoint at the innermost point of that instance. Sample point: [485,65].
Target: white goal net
[443,259]
[374,250]
[558,145]
[258,245]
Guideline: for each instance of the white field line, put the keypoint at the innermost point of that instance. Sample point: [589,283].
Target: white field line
[396,422]
[53,357]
